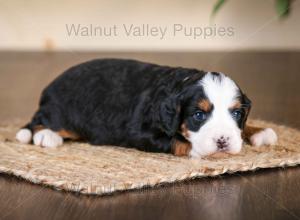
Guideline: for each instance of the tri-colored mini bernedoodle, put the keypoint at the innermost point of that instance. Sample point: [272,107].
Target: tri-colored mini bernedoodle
[145,106]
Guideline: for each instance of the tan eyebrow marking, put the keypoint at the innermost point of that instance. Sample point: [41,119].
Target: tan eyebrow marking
[236,105]
[204,105]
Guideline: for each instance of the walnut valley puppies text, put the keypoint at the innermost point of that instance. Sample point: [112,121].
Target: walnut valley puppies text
[147,30]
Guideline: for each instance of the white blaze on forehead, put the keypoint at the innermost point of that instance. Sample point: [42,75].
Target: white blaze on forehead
[220,89]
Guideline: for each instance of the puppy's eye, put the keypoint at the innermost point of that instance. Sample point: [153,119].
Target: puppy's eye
[199,116]
[236,114]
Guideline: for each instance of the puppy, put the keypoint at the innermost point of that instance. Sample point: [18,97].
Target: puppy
[145,106]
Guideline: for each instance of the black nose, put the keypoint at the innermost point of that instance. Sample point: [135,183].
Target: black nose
[222,143]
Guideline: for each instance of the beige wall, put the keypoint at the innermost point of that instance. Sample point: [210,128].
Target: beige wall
[41,25]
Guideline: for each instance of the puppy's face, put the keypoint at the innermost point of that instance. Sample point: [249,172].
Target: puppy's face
[214,114]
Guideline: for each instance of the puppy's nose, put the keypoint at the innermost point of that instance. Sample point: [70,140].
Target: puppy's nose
[222,143]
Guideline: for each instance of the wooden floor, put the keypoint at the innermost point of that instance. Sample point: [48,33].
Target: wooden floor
[271,80]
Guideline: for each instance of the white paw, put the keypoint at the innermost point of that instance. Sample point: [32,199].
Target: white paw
[47,138]
[264,137]
[193,154]
[24,136]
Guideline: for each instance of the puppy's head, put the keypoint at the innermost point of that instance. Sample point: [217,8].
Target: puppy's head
[210,113]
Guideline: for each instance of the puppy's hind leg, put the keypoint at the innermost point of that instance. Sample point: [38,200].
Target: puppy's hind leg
[24,135]
[47,138]
[38,133]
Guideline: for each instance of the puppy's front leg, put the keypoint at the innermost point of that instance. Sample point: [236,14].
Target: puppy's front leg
[180,148]
[259,136]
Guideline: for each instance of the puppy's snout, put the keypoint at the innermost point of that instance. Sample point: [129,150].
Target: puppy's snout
[222,143]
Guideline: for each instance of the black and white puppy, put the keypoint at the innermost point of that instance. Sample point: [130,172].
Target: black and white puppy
[145,106]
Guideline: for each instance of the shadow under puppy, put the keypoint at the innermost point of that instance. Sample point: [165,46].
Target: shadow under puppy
[145,106]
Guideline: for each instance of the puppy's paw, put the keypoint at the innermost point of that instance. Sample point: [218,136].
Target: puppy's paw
[47,138]
[193,154]
[24,136]
[264,137]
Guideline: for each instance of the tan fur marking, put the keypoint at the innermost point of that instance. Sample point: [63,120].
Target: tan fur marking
[38,128]
[249,131]
[236,105]
[63,133]
[68,134]
[204,105]
[181,148]
[184,130]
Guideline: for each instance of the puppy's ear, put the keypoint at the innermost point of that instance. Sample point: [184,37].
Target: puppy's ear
[169,114]
[246,103]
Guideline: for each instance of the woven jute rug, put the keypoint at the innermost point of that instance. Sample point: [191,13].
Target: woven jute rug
[105,169]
